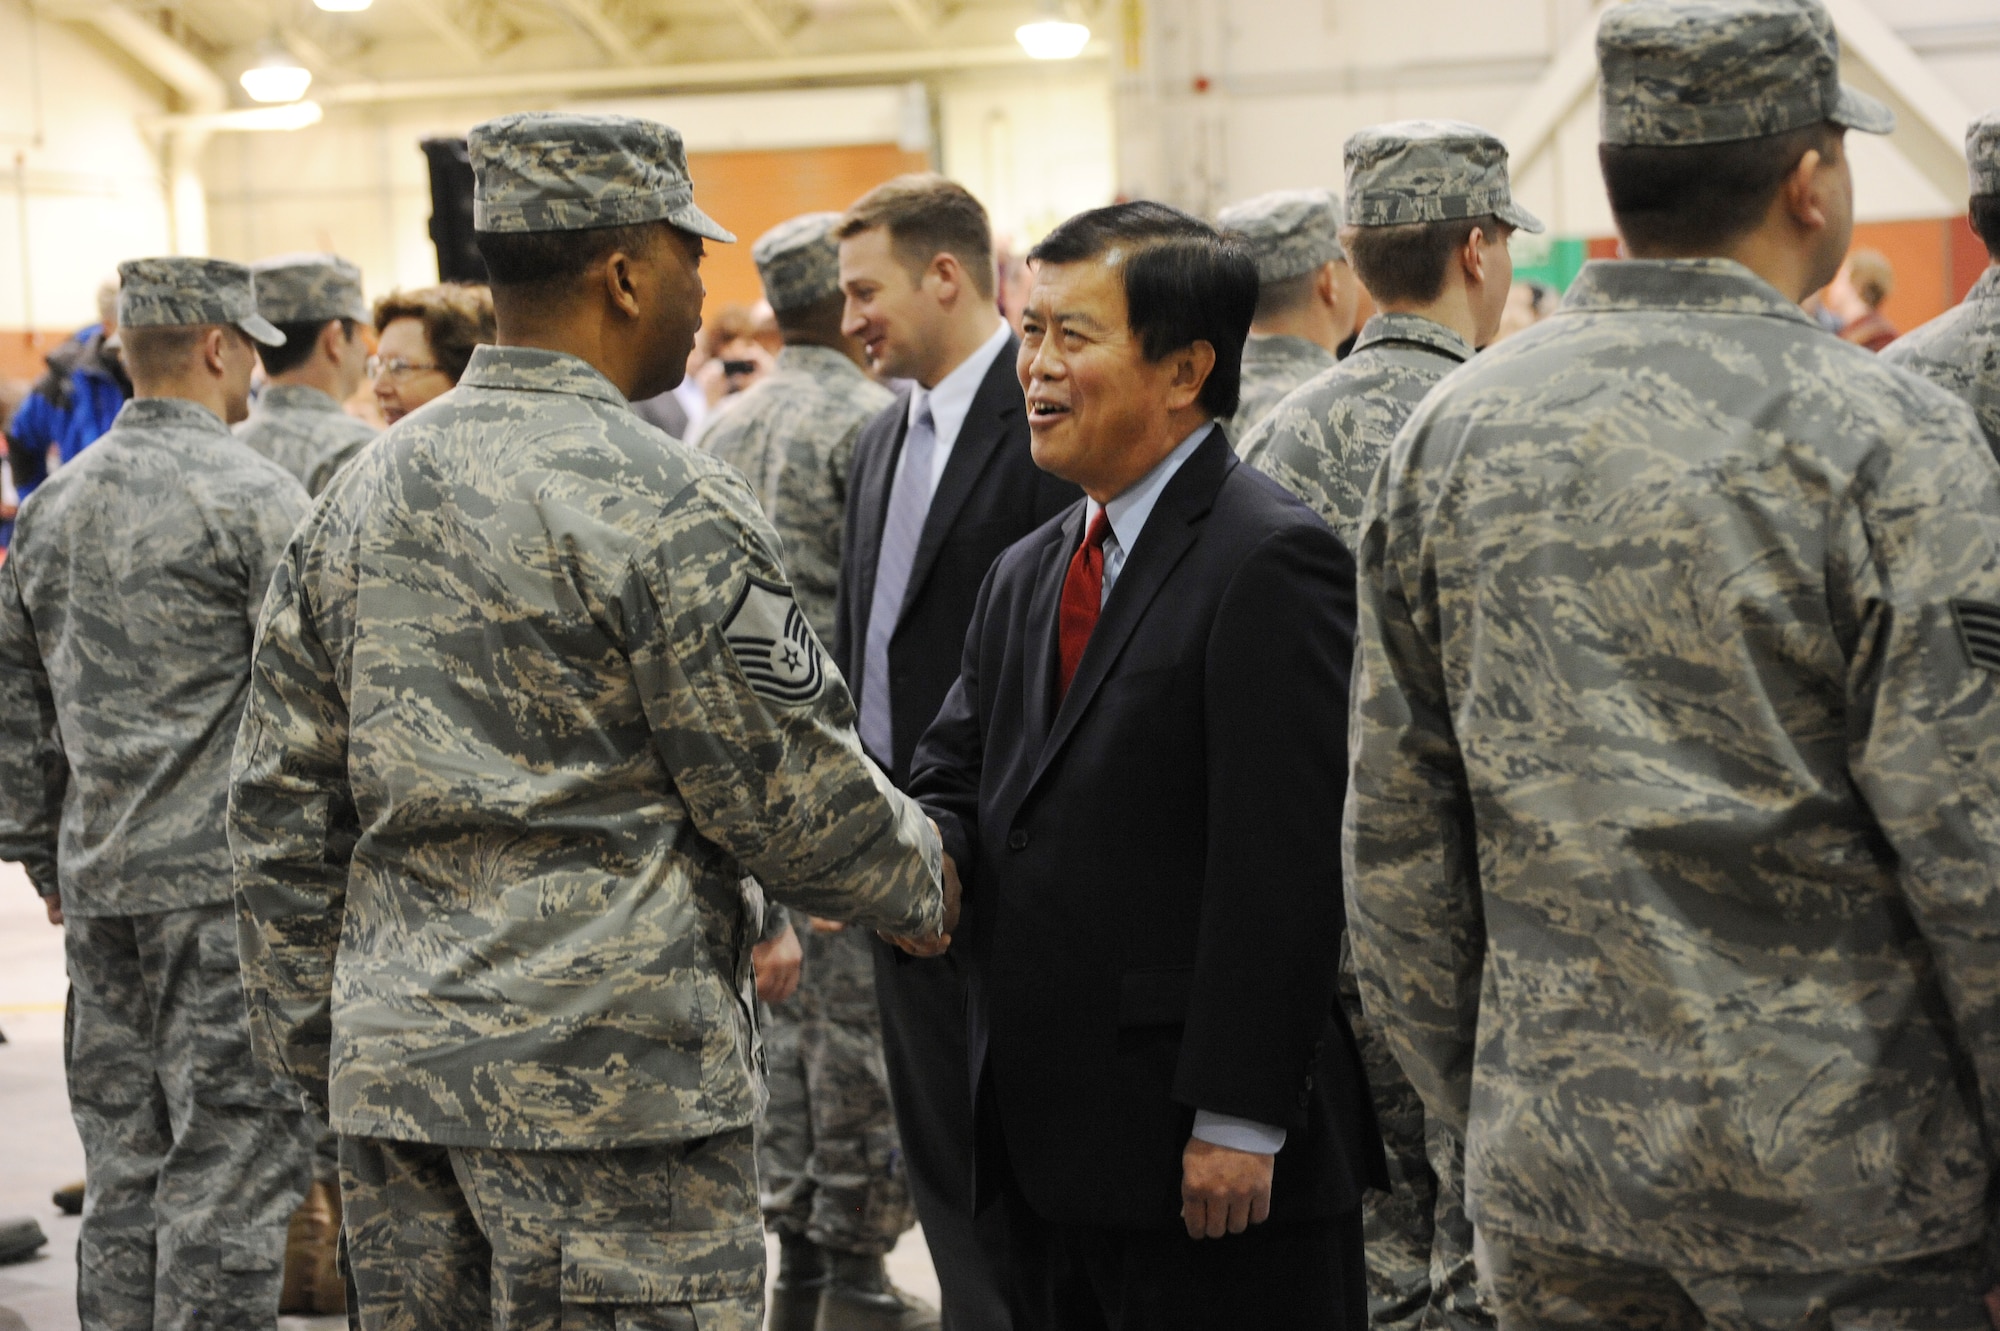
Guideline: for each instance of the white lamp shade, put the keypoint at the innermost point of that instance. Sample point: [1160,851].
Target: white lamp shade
[1052,39]
[276,78]
[343,6]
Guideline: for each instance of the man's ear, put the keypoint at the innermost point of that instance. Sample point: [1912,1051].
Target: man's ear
[1472,257]
[1326,284]
[621,282]
[333,340]
[212,348]
[1800,195]
[1193,364]
[950,275]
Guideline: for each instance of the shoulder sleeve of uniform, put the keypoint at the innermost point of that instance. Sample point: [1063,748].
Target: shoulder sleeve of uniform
[33,771]
[1410,869]
[292,826]
[757,728]
[1917,583]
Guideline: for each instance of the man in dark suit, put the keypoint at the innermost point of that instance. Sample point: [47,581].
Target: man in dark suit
[941,483]
[1138,775]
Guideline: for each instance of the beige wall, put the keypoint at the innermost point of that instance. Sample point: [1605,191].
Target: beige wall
[94,190]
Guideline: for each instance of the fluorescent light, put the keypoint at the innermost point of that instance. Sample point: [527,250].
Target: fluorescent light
[276,77]
[343,6]
[1052,39]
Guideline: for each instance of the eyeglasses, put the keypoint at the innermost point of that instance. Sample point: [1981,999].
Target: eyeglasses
[395,367]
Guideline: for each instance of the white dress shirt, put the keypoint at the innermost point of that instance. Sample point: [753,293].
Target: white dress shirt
[1127,513]
[951,399]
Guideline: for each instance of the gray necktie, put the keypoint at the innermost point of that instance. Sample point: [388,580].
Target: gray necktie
[909,505]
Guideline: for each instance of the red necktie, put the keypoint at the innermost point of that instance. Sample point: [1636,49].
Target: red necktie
[1082,598]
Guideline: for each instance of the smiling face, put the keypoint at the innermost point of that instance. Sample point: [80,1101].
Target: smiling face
[1101,414]
[894,314]
[410,375]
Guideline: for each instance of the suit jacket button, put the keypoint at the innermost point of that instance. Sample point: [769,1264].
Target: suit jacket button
[1017,839]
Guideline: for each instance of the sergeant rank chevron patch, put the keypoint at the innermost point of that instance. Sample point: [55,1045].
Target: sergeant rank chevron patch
[776,648]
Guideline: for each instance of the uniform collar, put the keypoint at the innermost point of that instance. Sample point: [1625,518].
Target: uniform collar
[1987,287]
[1694,286]
[175,413]
[1277,347]
[807,356]
[535,370]
[297,397]
[1388,327]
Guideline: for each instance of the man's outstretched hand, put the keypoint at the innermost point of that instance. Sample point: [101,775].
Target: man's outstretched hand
[1223,1191]
[53,905]
[935,945]
[777,963]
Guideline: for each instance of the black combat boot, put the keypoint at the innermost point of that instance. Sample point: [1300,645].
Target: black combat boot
[20,1240]
[860,1297]
[801,1280]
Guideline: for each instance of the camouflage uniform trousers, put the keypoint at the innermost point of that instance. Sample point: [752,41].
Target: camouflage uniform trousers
[194,1161]
[1532,1286]
[1419,1242]
[830,1159]
[644,1238]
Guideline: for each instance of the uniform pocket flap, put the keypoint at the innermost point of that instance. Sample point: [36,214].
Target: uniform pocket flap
[251,1249]
[646,1266]
[1156,997]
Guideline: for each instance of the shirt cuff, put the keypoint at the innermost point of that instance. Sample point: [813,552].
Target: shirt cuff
[1238,1134]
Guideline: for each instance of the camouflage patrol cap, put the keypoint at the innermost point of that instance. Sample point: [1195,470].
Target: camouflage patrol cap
[1678,72]
[1429,171]
[1289,232]
[560,171]
[182,292]
[1982,152]
[799,261]
[304,288]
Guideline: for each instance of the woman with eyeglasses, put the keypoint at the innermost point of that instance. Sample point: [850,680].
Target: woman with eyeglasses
[424,339]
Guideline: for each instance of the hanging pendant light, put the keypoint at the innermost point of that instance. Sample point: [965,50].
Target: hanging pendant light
[277,76]
[1052,37]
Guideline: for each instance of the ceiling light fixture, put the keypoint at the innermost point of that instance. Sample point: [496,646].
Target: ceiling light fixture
[1052,37]
[343,6]
[276,77]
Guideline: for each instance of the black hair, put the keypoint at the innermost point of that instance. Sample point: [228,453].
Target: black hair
[551,260]
[1694,198]
[1985,218]
[1185,282]
[1408,262]
[300,339]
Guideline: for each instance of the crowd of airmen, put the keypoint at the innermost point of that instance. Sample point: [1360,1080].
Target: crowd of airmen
[525,599]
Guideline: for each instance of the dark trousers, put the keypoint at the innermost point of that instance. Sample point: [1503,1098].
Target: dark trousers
[923,1038]
[1302,1276]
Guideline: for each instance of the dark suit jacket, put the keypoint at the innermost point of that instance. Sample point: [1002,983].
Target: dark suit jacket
[991,495]
[1152,867]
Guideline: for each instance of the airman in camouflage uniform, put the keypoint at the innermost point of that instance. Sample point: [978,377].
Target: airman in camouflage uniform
[298,423]
[1673,851]
[1294,236]
[126,613]
[532,696]
[1324,443]
[1960,349]
[829,1156]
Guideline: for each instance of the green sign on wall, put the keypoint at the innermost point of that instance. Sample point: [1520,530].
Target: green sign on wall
[1555,260]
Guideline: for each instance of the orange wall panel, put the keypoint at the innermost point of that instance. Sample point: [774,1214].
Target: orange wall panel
[1918,253]
[751,192]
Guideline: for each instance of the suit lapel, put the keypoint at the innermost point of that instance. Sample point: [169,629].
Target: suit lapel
[986,428]
[1170,532]
[1042,624]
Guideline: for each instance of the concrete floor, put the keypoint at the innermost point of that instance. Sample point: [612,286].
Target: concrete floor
[42,1152]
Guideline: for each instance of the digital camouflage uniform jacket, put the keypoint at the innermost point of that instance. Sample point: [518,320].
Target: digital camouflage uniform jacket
[531,696]
[1673,839]
[1325,440]
[1272,367]
[126,614]
[1960,352]
[296,427]
[792,436]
